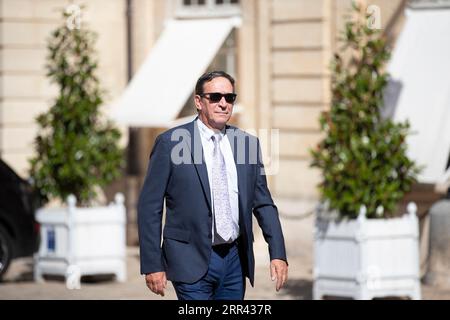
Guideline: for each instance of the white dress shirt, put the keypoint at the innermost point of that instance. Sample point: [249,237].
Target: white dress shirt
[225,147]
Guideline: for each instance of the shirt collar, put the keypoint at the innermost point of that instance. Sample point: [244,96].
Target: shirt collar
[206,132]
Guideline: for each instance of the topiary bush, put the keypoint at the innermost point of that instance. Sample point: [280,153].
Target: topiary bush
[362,156]
[76,148]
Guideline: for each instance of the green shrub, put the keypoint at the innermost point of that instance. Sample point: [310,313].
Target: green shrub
[362,156]
[76,149]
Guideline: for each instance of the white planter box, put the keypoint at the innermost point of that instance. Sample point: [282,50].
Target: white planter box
[366,258]
[82,241]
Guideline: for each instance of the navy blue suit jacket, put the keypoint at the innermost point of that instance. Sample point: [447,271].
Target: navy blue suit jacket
[186,247]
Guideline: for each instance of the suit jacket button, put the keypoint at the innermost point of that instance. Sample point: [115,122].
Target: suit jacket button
[209,214]
[209,236]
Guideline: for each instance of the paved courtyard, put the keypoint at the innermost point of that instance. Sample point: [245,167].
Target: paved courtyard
[19,282]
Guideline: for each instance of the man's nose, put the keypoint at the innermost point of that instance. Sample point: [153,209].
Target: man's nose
[223,102]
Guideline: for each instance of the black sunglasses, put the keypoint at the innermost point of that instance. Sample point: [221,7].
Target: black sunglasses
[217,96]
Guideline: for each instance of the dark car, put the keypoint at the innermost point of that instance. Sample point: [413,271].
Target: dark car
[19,231]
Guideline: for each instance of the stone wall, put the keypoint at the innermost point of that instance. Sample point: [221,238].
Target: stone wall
[25,91]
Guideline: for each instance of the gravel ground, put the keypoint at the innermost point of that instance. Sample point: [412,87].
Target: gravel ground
[19,284]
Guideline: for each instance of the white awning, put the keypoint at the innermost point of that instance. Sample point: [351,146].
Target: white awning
[166,79]
[421,66]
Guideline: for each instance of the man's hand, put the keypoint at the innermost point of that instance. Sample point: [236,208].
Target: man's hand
[279,272]
[156,282]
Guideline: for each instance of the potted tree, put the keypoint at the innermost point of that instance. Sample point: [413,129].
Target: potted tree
[362,248]
[77,152]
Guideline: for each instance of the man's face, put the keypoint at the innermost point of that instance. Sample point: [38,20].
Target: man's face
[215,115]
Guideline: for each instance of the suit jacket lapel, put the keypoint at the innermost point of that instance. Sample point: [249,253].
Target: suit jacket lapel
[200,165]
[199,160]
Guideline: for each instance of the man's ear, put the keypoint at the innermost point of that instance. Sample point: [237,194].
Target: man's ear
[197,101]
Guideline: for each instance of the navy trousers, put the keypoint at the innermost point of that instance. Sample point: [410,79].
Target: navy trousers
[223,281]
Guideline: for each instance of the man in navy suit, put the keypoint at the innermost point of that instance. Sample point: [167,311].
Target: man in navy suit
[212,178]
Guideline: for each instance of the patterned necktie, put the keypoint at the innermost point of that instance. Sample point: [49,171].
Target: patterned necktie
[222,207]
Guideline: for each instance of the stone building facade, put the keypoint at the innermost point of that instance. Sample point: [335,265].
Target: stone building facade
[282,54]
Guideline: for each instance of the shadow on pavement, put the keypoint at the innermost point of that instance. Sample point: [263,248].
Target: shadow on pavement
[23,274]
[298,289]
[22,271]
[23,277]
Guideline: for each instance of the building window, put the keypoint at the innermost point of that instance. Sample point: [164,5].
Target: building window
[207,8]
[226,57]
[224,60]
